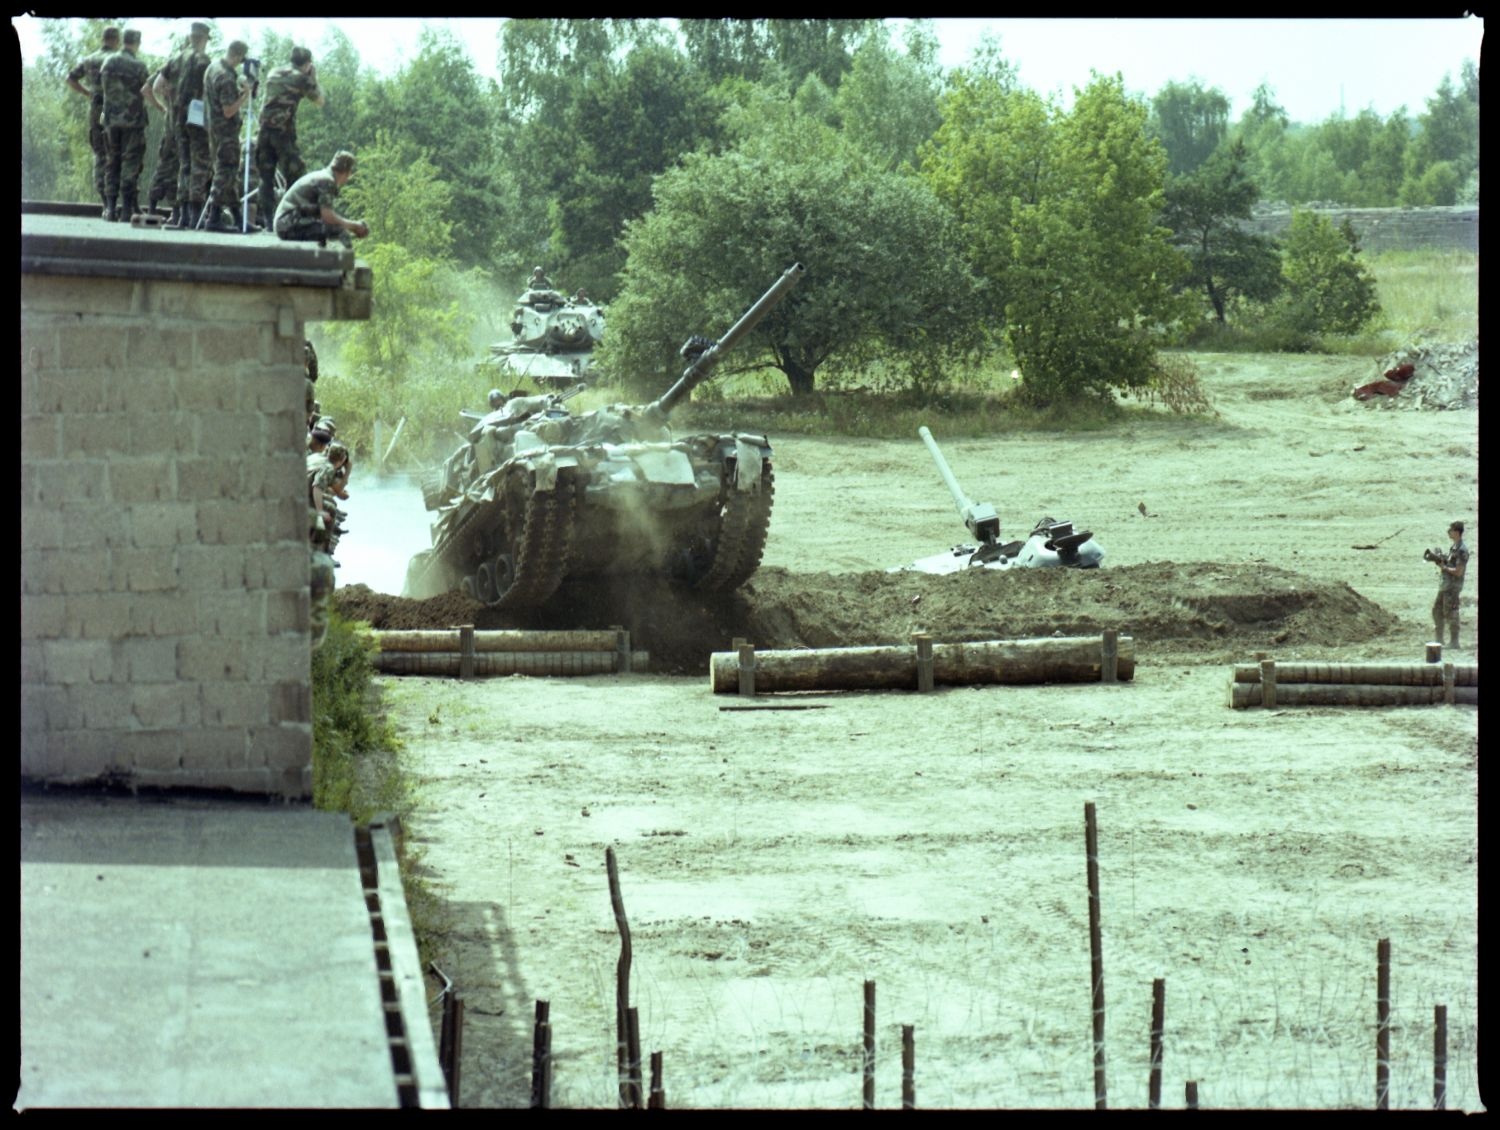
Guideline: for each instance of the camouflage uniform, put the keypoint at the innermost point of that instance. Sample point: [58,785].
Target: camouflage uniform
[164,181]
[221,88]
[276,144]
[122,76]
[89,68]
[1445,607]
[298,216]
[194,167]
[320,562]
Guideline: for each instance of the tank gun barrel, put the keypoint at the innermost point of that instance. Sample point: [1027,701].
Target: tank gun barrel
[979,517]
[702,366]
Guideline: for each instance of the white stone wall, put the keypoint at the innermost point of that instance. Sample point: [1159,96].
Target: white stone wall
[164,562]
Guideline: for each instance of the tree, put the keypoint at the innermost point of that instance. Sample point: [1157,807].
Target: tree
[884,278]
[1191,122]
[1203,210]
[1449,135]
[779,52]
[1060,213]
[888,102]
[1328,289]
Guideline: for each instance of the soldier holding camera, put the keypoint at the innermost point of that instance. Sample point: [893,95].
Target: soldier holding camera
[276,145]
[1452,565]
[225,91]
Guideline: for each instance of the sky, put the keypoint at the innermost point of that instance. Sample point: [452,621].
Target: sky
[1315,66]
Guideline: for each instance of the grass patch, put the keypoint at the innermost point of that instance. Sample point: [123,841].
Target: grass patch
[356,762]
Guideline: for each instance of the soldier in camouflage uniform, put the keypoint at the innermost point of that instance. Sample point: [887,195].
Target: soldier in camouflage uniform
[276,145]
[1451,569]
[158,93]
[122,75]
[306,211]
[94,92]
[320,563]
[225,92]
[194,166]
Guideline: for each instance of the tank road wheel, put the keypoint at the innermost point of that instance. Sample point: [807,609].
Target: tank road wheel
[484,584]
[732,552]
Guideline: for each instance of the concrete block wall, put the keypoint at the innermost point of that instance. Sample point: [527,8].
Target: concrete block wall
[1391,229]
[164,560]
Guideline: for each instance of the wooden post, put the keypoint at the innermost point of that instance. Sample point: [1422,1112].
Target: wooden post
[546,1067]
[1448,683]
[747,670]
[1096,953]
[456,1051]
[869,1055]
[1158,1011]
[1109,653]
[539,1054]
[924,660]
[1439,1057]
[1191,1098]
[622,650]
[1268,682]
[739,642]
[622,980]
[466,651]
[1383,1024]
[908,1067]
[633,1055]
[1434,652]
[658,1100]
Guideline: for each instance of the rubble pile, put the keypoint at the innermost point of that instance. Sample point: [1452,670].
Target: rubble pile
[1444,375]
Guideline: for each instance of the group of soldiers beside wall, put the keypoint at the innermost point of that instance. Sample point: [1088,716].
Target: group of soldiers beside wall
[198,165]
[328,469]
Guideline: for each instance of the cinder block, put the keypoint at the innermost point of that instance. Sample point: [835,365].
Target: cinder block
[208,568]
[232,615]
[89,572]
[279,659]
[281,566]
[291,702]
[288,612]
[143,662]
[163,707]
[281,747]
[232,521]
[144,570]
[158,347]
[43,531]
[76,662]
[162,433]
[157,751]
[212,660]
[154,524]
[70,480]
[33,662]
[222,347]
[84,392]
[34,706]
[39,345]
[169,301]
[286,519]
[43,295]
[95,344]
[93,525]
[82,755]
[163,614]
[97,434]
[142,480]
[97,616]
[60,708]
[215,749]
[105,706]
[237,434]
[206,390]
[200,478]
[236,704]
[254,306]
[275,389]
[42,617]
[41,437]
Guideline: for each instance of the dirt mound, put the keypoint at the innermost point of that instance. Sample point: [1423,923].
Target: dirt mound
[1209,612]
[1443,375]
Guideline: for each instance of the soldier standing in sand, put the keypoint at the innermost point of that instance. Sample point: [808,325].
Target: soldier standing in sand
[1451,568]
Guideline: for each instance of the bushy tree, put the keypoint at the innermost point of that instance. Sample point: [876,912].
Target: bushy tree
[1204,210]
[884,278]
[1328,290]
[1059,211]
[1191,123]
[888,102]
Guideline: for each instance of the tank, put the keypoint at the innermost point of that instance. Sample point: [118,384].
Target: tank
[1052,543]
[553,338]
[538,495]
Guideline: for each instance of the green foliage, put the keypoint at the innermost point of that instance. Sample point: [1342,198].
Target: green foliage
[888,102]
[1203,209]
[780,52]
[1059,213]
[884,278]
[347,727]
[1328,289]
[1174,383]
[1190,122]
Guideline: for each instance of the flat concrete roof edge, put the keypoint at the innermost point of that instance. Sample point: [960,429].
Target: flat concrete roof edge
[177,272]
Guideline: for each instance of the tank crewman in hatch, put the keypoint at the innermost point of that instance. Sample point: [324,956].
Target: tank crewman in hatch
[276,143]
[306,211]
[1451,568]
[122,75]
[88,67]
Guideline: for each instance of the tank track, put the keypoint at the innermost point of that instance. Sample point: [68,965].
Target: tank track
[545,546]
[743,528]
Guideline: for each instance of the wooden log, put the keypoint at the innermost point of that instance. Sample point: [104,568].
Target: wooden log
[1242,695]
[745,671]
[1434,652]
[1449,684]
[1064,659]
[924,660]
[1109,649]
[496,663]
[1268,682]
[1376,674]
[496,640]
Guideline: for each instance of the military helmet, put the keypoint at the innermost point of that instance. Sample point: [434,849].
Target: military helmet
[301,56]
[326,424]
[497,398]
